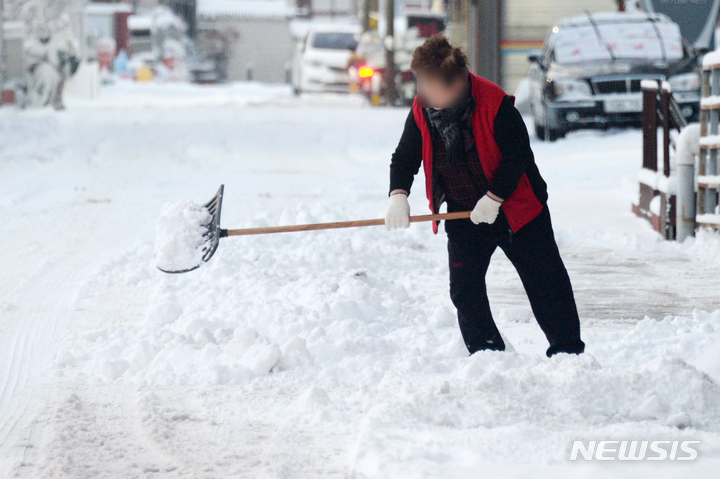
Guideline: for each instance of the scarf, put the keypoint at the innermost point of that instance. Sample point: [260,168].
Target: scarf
[453,124]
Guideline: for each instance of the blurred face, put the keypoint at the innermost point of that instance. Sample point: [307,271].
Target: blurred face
[438,94]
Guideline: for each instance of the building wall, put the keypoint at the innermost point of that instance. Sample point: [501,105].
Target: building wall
[259,49]
[13,43]
[526,23]
[141,6]
[334,7]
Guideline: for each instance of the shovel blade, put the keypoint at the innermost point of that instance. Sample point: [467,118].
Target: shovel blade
[211,238]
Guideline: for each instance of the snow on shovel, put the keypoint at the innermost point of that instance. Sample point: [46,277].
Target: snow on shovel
[189,234]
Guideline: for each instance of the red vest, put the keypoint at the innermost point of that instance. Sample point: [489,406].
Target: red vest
[523,205]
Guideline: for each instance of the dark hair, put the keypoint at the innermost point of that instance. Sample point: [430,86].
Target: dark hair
[437,57]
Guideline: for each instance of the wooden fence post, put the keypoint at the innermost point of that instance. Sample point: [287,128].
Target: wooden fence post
[650,125]
[666,124]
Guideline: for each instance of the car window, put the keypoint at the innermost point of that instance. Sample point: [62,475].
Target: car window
[626,40]
[335,40]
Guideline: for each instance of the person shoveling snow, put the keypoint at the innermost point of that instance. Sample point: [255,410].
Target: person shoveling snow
[476,154]
[475,150]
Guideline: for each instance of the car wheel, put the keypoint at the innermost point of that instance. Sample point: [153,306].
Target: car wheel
[296,91]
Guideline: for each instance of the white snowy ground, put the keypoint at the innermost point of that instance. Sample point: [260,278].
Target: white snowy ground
[323,354]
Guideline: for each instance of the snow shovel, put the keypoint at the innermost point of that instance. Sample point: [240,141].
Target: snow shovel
[211,238]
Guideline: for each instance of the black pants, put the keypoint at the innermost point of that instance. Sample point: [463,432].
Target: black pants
[534,253]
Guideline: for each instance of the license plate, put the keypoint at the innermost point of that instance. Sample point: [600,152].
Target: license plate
[623,106]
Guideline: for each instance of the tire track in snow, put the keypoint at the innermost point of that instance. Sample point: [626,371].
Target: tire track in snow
[41,290]
[12,377]
[42,303]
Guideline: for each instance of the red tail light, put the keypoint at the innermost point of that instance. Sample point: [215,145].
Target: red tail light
[365,72]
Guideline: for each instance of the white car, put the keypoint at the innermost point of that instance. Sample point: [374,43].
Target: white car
[321,61]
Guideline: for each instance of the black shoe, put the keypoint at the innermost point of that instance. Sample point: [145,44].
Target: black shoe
[573,348]
[490,345]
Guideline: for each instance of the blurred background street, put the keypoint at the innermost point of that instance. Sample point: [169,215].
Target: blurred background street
[337,353]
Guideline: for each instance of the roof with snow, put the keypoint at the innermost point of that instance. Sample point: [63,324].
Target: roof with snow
[612,17]
[275,9]
[107,8]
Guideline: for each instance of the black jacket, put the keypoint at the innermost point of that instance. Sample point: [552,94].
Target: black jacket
[512,138]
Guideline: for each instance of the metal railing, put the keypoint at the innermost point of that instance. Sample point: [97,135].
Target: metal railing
[708,167]
[660,110]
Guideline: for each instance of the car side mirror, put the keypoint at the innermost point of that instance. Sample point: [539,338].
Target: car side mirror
[534,58]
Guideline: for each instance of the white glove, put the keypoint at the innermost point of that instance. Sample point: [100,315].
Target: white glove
[398,212]
[486,210]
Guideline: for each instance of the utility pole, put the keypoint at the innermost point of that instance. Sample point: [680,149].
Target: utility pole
[485,28]
[3,56]
[365,15]
[389,42]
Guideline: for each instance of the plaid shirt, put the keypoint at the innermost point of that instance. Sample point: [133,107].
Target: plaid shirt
[462,182]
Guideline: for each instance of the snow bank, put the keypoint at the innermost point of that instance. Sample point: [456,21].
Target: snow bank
[173,346]
[339,327]
[659,377]
[179,236]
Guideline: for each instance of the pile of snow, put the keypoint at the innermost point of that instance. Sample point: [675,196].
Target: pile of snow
[335,326]
[338,307]
[179,237]
[174,347]
[273,303]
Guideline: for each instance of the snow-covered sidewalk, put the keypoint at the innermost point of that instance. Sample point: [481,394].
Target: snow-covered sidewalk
[323,354]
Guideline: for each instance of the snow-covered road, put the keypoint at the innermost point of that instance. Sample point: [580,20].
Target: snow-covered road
[324,354]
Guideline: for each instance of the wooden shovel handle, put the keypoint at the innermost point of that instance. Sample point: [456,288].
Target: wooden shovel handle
[341,224]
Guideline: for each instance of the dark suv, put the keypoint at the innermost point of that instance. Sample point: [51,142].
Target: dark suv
[591,67]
